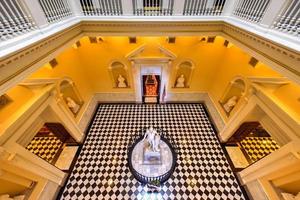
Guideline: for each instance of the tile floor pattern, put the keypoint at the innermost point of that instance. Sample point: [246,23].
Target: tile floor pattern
[45,147]
[258,147]
[101,172]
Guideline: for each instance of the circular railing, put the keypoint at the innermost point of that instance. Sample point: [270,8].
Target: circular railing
[152,179]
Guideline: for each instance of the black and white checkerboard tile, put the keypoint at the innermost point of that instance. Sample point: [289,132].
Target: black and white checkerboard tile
[45,147]
[258,147]
[101,170]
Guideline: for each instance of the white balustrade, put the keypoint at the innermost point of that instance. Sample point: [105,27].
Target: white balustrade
[101,7]
[288,21]
[20,16]
[203,7]
[14,19]
[251,10]
[56,10]
[153,7]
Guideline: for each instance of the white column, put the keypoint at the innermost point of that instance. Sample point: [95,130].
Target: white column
[272,12]
[136,69]
[228,7]
[127,7]
[178,7]
[75,7]
[36,12]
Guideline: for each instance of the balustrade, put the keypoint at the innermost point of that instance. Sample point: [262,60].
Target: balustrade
[101,7]
[251,10]
[14,19]
[21,16]
[288,21]
[55,10]
[203,7]
[153,7]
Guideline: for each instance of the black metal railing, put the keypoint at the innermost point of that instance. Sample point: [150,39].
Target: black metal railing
[164,137]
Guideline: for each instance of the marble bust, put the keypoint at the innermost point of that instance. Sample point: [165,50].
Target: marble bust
[153,139]
[229,105]
[180,81]
[74,107]
[121,82]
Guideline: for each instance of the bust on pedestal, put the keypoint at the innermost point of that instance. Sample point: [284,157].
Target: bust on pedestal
[180,81]
[121,82]
[73,106]
[229,105]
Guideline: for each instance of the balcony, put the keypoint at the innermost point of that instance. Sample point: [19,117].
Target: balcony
[19,17]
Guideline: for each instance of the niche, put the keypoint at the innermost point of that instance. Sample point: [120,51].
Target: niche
[119,75]
[234,92]
[70,95]
[184,73]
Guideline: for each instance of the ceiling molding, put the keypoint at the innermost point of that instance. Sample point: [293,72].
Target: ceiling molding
[16,66]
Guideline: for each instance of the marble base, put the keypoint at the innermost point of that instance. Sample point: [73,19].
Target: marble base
[150,99]
[151,157]
[66,157]
[237,157]
[152,170]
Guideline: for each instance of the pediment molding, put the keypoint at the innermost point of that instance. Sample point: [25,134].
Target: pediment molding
[269,80]
[166,55]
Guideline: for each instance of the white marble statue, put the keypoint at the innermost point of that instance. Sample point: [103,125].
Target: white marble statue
[121,82]
[229,105]
[180,81]
[74,107]
[153,139]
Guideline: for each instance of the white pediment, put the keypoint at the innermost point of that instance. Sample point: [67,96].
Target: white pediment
[151,52]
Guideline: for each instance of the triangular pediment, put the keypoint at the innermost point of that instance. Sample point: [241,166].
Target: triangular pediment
[151,51]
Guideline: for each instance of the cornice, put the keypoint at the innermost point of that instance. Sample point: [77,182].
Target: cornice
[282,59]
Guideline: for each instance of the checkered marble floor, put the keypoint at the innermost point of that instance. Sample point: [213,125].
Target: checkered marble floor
[45,147]
[101,170]
[258,147]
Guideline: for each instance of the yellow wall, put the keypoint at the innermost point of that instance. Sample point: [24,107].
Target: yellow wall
[97,58]
[19,95]
[289,97]
[235,62]
[7,187]
[69,65]
[215,66]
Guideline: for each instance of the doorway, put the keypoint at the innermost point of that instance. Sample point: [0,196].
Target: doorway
[250,143]
[151,88]
[54,144]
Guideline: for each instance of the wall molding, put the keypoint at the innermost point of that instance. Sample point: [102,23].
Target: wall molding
[198,97]
[102,97]
[130,98]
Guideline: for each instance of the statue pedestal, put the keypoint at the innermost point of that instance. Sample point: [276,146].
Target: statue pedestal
[151,157]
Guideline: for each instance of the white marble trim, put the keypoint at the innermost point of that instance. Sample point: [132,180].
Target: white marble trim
[104,97]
